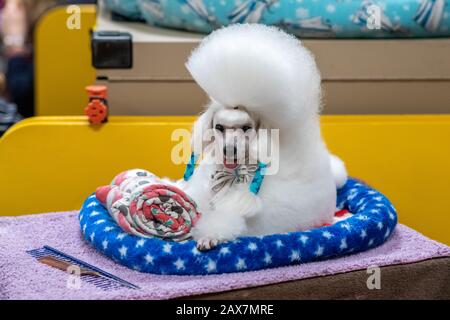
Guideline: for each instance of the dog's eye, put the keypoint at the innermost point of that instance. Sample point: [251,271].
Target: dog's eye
[246,128]
[220,127]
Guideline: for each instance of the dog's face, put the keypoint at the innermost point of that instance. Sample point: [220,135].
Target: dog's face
[234,131]
[230,136]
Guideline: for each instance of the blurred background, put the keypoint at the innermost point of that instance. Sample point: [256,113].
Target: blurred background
[18,20]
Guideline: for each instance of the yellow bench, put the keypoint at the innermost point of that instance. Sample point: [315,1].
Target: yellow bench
[53,163]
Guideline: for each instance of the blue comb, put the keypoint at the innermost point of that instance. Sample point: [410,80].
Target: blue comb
[105,281]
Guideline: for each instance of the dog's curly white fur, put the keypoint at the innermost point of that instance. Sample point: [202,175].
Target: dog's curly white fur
[277,81]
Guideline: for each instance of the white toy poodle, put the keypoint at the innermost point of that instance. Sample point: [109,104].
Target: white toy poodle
[259,77]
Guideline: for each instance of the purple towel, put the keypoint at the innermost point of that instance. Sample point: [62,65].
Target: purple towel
[22,277]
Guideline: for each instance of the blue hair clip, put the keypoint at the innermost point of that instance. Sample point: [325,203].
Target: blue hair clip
[258,178]
[190,167]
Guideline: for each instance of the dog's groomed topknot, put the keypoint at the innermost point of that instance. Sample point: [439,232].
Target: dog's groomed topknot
[259,67]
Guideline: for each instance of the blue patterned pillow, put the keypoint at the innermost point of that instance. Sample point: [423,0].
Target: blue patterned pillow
[374,218]
[126,8]
[306,18]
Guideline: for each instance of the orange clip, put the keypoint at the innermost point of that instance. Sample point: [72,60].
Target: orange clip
[97,109]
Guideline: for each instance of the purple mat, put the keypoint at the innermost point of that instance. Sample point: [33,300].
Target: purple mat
[22,277]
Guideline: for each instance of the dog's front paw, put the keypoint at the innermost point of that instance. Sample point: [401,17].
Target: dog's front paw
[206,243]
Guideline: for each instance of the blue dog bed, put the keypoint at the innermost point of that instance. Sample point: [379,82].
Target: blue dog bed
[374,218]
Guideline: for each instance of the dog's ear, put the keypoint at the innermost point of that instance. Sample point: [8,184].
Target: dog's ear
[202,131]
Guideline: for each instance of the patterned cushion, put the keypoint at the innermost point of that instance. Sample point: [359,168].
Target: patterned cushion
[306,19]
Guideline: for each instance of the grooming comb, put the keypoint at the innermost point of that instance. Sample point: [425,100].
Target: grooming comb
[63,265]
[89,273]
